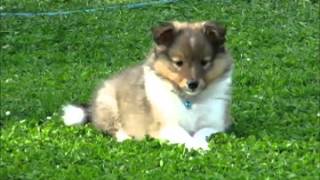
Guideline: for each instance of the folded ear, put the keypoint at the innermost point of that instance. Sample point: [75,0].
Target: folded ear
[164,34]
[215,32]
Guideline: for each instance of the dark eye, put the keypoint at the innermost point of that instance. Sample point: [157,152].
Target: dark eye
[204,62]
[179,63]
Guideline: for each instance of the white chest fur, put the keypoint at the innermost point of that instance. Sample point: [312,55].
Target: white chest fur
[208,110]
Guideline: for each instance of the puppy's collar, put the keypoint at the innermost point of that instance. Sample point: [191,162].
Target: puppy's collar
[187,103]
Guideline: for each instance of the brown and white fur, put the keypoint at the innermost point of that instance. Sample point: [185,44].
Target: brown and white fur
[189,61]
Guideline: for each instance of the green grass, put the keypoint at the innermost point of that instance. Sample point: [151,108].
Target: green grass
[49,61]
[57,5]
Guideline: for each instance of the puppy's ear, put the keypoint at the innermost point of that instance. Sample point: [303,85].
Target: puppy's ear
[215,32]
[164,34]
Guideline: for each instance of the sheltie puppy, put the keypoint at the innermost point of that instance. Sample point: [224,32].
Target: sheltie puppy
[181,93]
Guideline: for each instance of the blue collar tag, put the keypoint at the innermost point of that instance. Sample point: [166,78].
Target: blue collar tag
[187,104]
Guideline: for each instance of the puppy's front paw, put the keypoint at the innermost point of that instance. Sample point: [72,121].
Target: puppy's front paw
[197,144]
[205,133]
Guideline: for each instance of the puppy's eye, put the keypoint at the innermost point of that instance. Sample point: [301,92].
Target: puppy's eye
[204,63]
[178,63]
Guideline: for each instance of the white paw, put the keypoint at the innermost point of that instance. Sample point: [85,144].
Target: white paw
[197,144]
[121,135]
[205,133]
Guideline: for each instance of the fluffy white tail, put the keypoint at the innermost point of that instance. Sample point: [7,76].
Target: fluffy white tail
[73,115]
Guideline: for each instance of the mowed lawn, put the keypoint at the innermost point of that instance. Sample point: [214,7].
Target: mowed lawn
[47,62]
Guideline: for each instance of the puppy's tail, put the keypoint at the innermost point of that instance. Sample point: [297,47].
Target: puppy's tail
[75,115]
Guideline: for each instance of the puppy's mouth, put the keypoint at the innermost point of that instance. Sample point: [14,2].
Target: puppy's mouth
[193,89]
[189,92]
[186,91]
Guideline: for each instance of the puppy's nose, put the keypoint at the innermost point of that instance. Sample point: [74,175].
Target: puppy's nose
[192,84]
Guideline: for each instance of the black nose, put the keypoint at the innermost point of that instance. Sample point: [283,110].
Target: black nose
[193,84]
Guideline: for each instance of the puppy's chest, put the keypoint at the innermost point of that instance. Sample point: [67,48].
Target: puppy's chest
[207,110]
[198,114]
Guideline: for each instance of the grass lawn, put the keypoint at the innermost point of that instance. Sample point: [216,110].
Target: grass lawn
[49,61]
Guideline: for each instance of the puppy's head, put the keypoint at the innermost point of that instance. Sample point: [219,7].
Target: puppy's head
[187,54]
